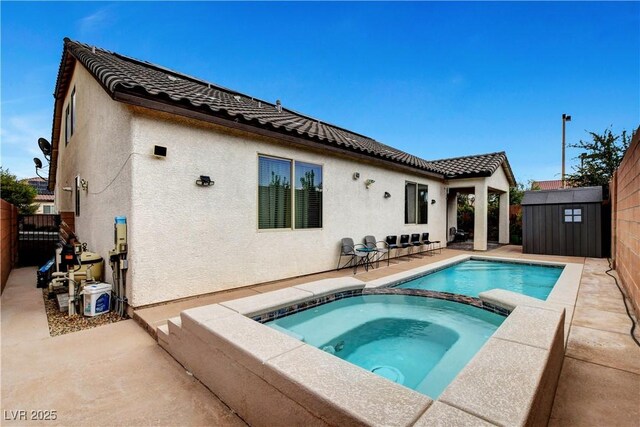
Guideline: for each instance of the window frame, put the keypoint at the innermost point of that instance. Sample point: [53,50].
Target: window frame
[416,203]
[73,110]
[293,194]
[572,215]
[70,117]
[67,125]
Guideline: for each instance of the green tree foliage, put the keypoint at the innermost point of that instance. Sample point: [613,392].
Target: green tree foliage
[465,212]
[19,194]
[600,159]
[516,193]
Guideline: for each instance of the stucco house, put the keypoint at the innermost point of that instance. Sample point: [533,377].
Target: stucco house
[287,187]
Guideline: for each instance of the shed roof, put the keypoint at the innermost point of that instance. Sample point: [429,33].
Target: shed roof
[567,195]
[138,82]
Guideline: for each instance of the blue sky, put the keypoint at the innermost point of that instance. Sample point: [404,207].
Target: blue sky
[433,79]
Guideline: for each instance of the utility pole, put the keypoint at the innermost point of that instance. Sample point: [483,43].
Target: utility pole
[565,118]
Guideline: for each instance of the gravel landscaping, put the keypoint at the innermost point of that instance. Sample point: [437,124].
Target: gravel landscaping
[61,323]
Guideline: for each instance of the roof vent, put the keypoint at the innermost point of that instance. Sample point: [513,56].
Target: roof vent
[93,49]
[173,79]
[237,98]
[279,106]
[259,104]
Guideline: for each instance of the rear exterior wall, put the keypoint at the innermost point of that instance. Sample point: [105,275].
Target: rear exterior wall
[188,240]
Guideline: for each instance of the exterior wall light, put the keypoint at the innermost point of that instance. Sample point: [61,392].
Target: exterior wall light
[433,201]
[386,195]
[368,183]
[356,175]
[204,181]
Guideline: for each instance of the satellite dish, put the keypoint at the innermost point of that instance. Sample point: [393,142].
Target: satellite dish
[45,147]
[37,162]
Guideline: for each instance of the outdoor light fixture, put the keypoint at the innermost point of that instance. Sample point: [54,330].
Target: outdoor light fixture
[386,195]
[204,181]
[433,201]
[356,175]
[368,183]
[84,184]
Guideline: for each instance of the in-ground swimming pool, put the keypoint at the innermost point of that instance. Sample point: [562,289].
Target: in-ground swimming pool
[474,276]
[419,342]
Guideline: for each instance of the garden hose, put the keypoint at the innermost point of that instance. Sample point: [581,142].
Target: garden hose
[624,300]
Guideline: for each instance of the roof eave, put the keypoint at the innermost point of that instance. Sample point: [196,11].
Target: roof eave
[143,99]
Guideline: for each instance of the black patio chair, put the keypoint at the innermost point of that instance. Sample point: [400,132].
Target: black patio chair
[458,235]
[416,243]
[356,257]
[431,245]
[404,243]
[392,243]
[371,243]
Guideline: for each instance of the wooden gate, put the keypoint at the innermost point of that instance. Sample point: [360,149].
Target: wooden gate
[37,238]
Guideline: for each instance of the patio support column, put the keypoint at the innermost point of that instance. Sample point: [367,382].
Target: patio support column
[452,212]
[503,227]
[480,217]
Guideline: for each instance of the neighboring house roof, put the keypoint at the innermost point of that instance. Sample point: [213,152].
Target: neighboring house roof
[553,184]
[41,186]
[141,83]
[476,165]
[567,195]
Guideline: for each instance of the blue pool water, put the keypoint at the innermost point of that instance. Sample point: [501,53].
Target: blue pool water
[419,342]
[474,276]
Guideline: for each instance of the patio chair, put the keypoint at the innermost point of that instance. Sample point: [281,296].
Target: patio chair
[392,243]
[371,243]
[431,244]
[356,257]
[415,242]
[404,243]
[458,235]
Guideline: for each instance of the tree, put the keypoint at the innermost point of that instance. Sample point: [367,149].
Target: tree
[516,193]
[601,158]
[19,194]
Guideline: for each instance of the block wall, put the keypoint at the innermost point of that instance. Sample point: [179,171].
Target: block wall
[9,242]
[625,195]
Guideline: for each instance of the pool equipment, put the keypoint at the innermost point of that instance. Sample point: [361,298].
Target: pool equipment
[97,299]
[119,264]
[76,267]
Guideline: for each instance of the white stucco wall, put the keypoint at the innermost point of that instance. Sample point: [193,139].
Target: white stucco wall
[98,152]
[188,240]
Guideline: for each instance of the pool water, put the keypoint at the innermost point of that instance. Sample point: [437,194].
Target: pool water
[421,343]
[474,276]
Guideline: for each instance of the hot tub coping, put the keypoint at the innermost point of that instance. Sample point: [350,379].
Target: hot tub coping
[525,375]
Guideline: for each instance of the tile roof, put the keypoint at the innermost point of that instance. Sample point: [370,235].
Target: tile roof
[126,78]
[476,165]
[553,184]
[40,185]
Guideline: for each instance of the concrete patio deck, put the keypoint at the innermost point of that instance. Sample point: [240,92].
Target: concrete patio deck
[86,375]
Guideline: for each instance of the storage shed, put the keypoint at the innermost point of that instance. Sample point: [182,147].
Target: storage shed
[565,222]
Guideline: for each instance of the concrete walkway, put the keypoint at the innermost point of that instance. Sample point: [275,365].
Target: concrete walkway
[110,375]
[600,379]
